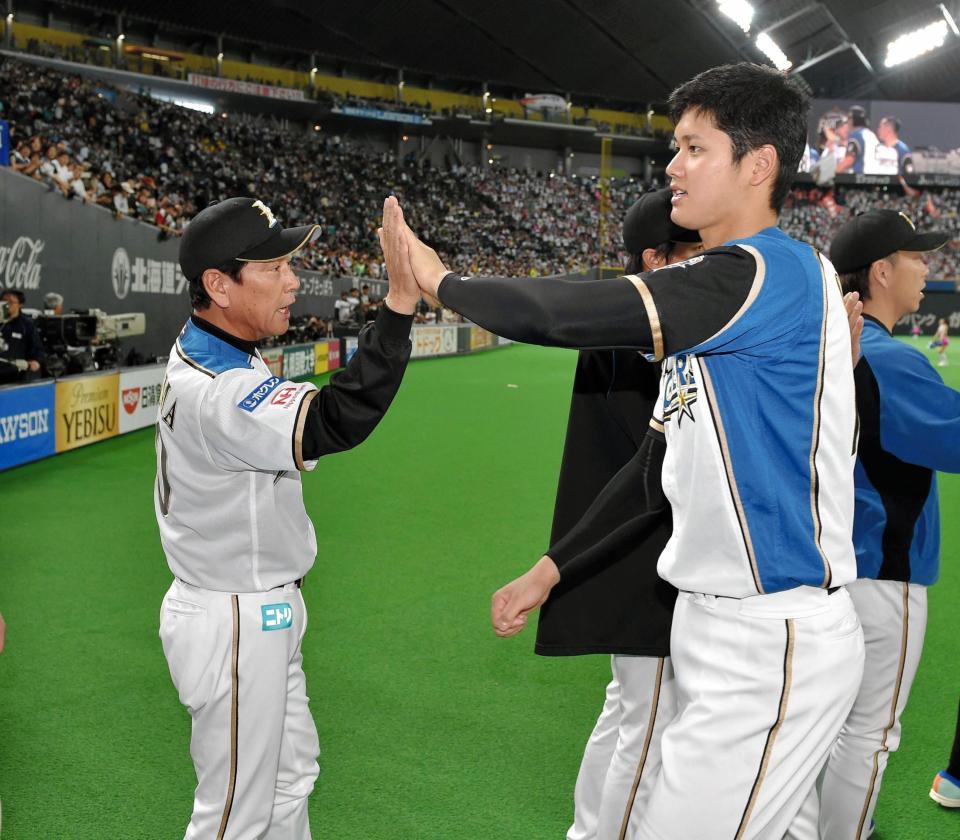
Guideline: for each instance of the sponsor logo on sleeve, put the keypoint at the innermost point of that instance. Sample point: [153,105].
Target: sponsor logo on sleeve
[256,397]
[286,397]
[276,616]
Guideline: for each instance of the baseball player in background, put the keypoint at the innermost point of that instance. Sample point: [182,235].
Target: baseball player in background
[946,784]
[909,429]
[622,608]
[232,439]
[757,410]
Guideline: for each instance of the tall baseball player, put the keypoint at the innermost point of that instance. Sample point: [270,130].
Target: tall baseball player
[909,429]
[622,608]
[757,410]
[232,439]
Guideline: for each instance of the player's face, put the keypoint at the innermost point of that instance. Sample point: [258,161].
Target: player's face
[908,279]
[703,176]
[260,304]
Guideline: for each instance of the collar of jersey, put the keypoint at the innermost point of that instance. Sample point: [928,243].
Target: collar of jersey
[211,352]
[870,321]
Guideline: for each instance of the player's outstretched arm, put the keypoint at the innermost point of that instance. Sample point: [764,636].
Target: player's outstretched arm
[511,604]
[629,508]
[701,298]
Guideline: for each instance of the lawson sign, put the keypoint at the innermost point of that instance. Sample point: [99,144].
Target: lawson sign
[27,430]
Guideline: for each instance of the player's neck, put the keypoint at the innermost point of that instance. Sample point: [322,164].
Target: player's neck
[882,311]
[742,226]
[220,318]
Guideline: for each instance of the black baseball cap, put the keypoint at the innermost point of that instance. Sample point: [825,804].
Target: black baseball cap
[876,234]
[648,224]
[242,229]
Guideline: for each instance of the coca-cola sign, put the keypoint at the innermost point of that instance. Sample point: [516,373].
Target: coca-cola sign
[19,265]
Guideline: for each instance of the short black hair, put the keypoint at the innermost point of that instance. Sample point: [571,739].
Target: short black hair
[892,121]
[199,299]
[858,116]
[858,280]
[635,262]
[755,106]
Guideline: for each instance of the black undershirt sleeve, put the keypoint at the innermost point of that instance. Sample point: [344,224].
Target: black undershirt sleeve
[348,408]
[660,312]
[630,506]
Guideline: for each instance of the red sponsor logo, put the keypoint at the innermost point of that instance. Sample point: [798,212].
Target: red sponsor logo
[131,399]
[284,397]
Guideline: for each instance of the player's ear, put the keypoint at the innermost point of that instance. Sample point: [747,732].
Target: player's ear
[880,273]
[765,164]
[652,259]
[216,284]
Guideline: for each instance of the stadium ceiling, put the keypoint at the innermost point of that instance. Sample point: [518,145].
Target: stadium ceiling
[628,51]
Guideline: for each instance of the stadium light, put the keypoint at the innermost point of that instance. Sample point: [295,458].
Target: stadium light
[914,44]
[739,11]
[949,19]
[769,48]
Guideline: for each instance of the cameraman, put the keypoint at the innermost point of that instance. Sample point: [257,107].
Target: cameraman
[20,339]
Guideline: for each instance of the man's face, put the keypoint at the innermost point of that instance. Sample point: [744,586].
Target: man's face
[908,276]
[886,132]
[260,304]
[13,304]
[706,182]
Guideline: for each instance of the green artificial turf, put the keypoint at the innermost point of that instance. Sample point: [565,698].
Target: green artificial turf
[430,726]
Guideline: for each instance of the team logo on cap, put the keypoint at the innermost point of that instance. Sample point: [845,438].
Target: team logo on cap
[908,220]
[265,211]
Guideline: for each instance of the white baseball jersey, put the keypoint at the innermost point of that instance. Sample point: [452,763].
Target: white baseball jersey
[760,424]
[228,495]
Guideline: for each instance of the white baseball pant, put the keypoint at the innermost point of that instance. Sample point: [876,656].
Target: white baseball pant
[894,619]
[622,756]
[763,687]
[236,663]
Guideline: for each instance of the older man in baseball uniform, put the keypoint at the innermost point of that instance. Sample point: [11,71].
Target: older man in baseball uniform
[232,439]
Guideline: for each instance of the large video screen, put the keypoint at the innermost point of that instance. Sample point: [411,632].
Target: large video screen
[857,138]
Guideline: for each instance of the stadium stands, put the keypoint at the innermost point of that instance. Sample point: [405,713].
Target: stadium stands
[160,163]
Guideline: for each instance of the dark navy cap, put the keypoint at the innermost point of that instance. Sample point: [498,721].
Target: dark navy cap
[647,223]
[242,229]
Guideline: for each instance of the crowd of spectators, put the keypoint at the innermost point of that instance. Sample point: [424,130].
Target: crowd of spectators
[159,163]
[815,214]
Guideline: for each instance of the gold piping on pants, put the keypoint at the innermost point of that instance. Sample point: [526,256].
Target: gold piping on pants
[646,747]
[772,734]
[893,709]
[234,710]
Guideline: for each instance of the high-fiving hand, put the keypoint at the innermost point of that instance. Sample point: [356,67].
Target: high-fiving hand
[400,243]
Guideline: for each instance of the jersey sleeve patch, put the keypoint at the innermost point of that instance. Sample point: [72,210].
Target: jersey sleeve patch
[252,401]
